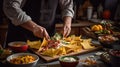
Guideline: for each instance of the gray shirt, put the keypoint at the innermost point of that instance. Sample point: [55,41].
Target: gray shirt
[13,10]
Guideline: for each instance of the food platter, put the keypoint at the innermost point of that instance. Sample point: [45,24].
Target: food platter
[58,46]
[89,33]
[49,59]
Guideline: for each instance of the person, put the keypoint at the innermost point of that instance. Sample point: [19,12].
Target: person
[34,19]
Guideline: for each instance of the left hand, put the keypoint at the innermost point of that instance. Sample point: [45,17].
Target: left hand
[66,30]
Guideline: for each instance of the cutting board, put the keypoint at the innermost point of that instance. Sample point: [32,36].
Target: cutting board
[49,59]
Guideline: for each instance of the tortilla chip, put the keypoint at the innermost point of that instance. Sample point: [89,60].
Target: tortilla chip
[44,43]
[34,44]
[87,44]
[61,51]
[49,52]
[73,48]
[77,38]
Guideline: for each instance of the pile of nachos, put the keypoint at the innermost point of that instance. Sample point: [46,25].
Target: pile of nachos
[58,45]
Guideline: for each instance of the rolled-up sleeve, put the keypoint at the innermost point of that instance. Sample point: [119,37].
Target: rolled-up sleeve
[12,9]
[67,7]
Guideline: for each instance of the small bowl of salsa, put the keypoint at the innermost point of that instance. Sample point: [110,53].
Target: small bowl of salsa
[18,46]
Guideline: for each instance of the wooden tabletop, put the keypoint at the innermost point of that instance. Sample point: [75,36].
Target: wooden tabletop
[79,24]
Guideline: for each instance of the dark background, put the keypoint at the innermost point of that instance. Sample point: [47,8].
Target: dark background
[107,4]
[1,11]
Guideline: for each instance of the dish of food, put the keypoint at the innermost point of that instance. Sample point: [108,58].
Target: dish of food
[107,40]
[88,62]
[69,61]
[18,46]
[22,60]
[56,47]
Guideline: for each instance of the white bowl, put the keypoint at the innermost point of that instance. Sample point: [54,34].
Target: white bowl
[32,64]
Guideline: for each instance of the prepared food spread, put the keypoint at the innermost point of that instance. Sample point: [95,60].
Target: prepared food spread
[58,45]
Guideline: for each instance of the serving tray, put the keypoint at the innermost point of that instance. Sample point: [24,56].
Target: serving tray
[49,59]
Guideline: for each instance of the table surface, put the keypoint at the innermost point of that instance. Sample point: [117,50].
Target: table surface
[83,56]
[42,63]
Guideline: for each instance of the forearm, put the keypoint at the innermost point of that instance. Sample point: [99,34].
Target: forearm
[67,20]
[37,30]
[29,25]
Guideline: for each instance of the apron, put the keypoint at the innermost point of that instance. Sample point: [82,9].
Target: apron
[42,12]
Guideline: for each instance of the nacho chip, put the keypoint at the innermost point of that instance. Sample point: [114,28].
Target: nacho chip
[77,38]
[49,52]
[34,44]
[44,43]
[73,48]
[87,44]
[61,51]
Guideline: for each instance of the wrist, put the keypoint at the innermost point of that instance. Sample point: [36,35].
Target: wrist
[29,25]
[67,20]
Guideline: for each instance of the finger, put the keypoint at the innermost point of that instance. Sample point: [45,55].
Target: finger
[67,32]
[46,35]
[64,33]
[38,34]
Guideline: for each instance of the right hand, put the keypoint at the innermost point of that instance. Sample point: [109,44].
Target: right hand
[40,32]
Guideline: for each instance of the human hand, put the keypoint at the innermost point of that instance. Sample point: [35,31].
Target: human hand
[40,32]
[67,25]
[66,30]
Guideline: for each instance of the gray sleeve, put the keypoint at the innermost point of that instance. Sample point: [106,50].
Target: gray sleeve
[12,9]
[67,7]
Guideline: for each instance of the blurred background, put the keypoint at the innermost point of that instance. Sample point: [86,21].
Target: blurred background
[101,10]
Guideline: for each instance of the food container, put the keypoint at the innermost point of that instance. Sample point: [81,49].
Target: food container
[69,61]
[114,57]
[14,60]
[89,62]
[18,46]
[108,41]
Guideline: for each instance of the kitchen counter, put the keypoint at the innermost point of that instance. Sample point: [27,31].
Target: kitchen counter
[76,27]
[79,24]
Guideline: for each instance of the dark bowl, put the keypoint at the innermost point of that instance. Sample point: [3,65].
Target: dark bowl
[114,57]
[31,64]
[68,62]
[108,41]
[18,46]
